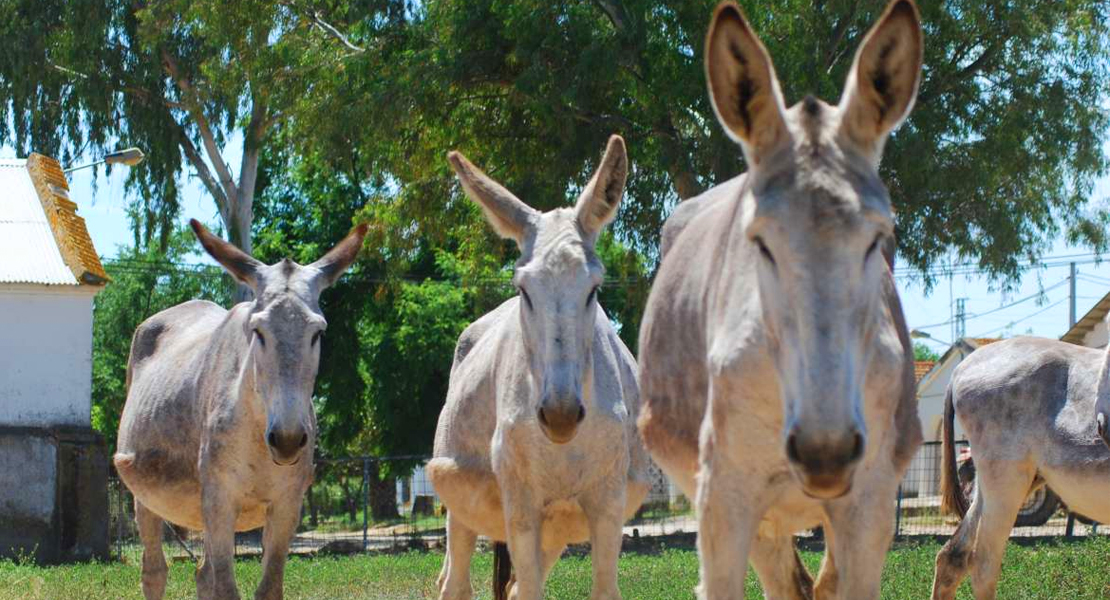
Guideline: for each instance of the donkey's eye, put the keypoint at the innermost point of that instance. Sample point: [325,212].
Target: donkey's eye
[316,337]
[872,248]
[524,294]
[592,296]
[261,338]
[764,251]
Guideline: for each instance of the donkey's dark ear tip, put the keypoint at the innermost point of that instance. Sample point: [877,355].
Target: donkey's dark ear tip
[198,229]
[616,141]
[730,10]
[904,8]
[361,229]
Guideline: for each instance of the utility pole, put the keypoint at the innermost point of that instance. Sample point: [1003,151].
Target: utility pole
[961,318]
[1069,527]
[1071,305]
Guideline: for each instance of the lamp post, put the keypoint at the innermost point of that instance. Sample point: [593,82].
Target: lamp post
[129,157]
[917,334]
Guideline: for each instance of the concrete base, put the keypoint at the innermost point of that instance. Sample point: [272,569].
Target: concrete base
[53,494]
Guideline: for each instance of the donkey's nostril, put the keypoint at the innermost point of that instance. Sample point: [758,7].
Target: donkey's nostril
[857,450]
[581,413]
[304,439]
[543,417]
[271,439]
[792,449]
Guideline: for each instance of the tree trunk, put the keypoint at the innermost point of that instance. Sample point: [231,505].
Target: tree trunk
[239,233]
[350,501]
[313,512]
[383,495]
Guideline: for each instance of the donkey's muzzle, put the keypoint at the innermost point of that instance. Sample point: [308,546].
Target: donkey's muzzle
[559,422]
[824,464]
[286,445]
[1103,430]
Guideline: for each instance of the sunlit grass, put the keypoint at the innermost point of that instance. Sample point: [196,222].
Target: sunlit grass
[1076,571]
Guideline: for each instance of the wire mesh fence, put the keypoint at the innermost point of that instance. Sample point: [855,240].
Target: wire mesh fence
[367,504]
[919,499]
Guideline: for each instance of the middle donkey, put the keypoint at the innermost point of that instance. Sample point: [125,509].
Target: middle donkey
[537,443]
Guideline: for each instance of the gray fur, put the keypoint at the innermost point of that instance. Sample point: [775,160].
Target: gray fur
[218,428]
[1028,408]
[500,470]
[778,384]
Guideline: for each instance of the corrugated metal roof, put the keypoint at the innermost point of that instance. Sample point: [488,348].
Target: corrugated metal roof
[42,239]
[28,251]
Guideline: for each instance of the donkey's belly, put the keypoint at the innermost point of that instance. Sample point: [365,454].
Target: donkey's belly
[1086,492]
[184,509]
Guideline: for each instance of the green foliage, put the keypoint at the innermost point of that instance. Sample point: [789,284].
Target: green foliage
[999,155]
[924,352]
[347,110]
[143,283]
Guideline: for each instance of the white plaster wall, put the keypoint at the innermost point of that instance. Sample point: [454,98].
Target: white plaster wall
[1096,337]
[45,355]
[922,476]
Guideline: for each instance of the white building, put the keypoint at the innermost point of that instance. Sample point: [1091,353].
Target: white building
[1090,330]
[53,466]
[932,382]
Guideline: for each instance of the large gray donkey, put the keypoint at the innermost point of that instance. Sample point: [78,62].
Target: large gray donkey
[775,365]
[218,428]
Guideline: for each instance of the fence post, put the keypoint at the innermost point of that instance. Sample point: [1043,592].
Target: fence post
[898,513]
[365,503]
[1069,531]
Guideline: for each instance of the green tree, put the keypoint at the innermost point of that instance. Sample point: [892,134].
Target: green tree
[998,157]
[192,82]
[143,283]
[924,352]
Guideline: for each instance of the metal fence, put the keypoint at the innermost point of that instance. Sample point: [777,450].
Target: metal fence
[383,504]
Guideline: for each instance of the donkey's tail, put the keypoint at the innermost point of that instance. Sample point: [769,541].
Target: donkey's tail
[952,498]
[502,571]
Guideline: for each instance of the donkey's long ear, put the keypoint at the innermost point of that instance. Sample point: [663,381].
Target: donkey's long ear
[339,258]
[599,201]
[884,78]
[742,84]
[510,217]
[241,265]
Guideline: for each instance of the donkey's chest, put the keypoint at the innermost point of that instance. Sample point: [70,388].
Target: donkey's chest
[559,471]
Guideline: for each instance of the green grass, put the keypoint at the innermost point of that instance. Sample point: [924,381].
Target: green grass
[1076,571]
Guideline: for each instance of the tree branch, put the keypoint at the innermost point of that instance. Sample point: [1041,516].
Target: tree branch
[841,28]
[207,137]
[195,159]
[616,13]
[326,27]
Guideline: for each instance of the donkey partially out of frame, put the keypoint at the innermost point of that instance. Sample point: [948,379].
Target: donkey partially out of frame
[537,444]
[775,365]
[218,428]
[1030,407]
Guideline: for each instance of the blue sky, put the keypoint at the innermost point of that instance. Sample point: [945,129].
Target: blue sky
[103,206]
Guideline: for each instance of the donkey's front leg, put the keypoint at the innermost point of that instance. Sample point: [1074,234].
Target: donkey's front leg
[861,526]
[728,518]
[604,508]
[282,518]
[523,520]
[216,575]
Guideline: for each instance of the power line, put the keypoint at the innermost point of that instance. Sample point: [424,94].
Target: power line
[1000,308]
[1025,318]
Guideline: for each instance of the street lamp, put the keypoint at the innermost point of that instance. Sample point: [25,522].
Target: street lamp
[129,157]
[917,334]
